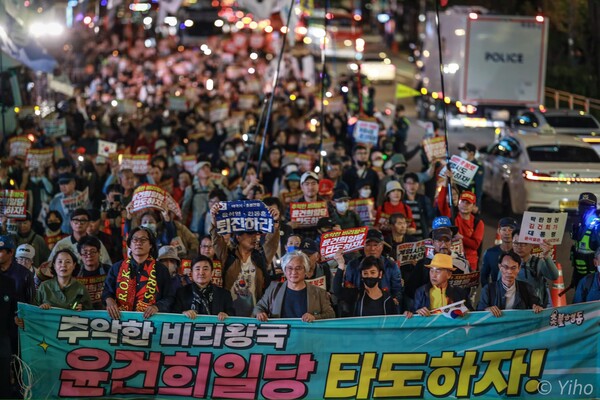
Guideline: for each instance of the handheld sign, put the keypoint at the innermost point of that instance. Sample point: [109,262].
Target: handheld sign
[537,227]
[71,203]
[13,203]
[244,216]
[308,214]
[366,132]
[151,196]
[463,171]
[138,163]
[39,158]
[407,253]
[365,208]
[435,148]
[346,240]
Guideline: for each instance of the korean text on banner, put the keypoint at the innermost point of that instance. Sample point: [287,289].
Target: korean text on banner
[54,127]
[347,240]
[537,227]
[151,196]
[435,148]
[138,163]
[39,158]
[13,203]
[407,253]
[18,146]
[366,132]
[553,354]
[365,208]
[308,214]
[71,203]
[244,216]
[463,171]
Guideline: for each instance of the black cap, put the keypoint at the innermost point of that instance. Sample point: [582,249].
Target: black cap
[63,163]
[340,195]
[79,212]
[588,197]
[325,222]
[468,147]
[508,221]
[65,178]
[308,246]
[94,214]
[375,235]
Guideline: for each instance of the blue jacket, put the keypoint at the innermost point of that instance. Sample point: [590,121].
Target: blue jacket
[585,291]
[489,267]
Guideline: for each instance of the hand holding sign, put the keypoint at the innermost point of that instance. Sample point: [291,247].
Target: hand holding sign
[243,216]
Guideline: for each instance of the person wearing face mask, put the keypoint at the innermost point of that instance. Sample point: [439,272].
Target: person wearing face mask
[468,152]
[372,300]
[363,189]
[228,156]
[360,170]
[394,169]
[343,216]
[377,163]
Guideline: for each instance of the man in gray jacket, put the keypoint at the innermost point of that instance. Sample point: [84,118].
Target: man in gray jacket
[294,298]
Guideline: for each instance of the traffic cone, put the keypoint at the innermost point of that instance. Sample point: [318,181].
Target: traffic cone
[557,287]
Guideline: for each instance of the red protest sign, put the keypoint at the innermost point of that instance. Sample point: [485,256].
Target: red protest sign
[138,163]
[39,158]
[13,203]
[152,196]
[347,240]
[308,214]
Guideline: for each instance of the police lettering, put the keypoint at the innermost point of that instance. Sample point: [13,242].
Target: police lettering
[512,58]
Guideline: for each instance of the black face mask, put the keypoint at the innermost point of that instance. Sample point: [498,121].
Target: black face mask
[54,226]
[399,170]
[371,282]
[361,163]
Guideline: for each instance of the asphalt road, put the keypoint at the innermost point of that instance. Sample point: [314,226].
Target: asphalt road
[385,93]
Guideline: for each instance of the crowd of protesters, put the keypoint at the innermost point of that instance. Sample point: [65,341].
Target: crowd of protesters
[164,101]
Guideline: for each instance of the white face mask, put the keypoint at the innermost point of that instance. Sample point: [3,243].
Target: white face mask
[166,130]
[229,153]
[239,150]
[178,159]
[341,207]
[364,193]
[378,163]
[150,226]
[463,154]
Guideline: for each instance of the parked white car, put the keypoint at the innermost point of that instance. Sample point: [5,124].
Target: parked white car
[540,172]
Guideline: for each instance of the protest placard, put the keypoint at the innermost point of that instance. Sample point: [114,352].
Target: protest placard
[464,281]
[106,148]
[537,227]
[304,161]
[318,282]
[147,196]
[71,203]
[54,127]
[13,203]
[18,146]
[365,208]
[407,253]
[463,171]
[218,113]
[171,205]
[308,214]
[178,103]
[334,104]
[347,240]
[39,158]
[366,132]
[243,216]
[138,163]
[435,148]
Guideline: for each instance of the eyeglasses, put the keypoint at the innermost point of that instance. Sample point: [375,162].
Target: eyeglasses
[89,253]
[140,240]
[509,268]
[295,269]
[80,221]
[21,260]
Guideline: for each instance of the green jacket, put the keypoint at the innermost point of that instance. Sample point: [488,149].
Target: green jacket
[51,293]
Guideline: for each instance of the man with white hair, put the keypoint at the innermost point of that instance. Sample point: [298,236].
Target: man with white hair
[294,298]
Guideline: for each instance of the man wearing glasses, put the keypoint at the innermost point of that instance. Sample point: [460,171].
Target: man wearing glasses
[536,270]
[92,273]
[294,298]
[138,283]
[80,220]
[508,293]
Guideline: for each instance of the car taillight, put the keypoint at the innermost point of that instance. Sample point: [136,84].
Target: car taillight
[541,177]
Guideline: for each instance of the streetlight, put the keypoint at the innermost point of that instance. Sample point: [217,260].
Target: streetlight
[359,46]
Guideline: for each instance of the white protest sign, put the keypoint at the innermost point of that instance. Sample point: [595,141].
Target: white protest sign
[537,227]
[463,171]
[366,132]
